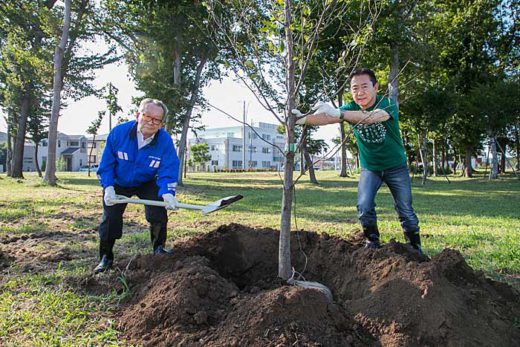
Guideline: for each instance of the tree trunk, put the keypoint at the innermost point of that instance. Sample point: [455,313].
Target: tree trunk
[90,153]
[50,168]
[303,150]
[517,145]
[434,158]
[176,83]
[36,145]
[425,160]
[468,169]
[186,124]
[284,244]
[343,135]
[393,76]
[312,173]
[9,154]
[493,174]
[503,158]
[443,158]
[19,142]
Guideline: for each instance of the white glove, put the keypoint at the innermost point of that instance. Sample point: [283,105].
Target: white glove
[109,196]
[300,118]
[170,200]
[327,109]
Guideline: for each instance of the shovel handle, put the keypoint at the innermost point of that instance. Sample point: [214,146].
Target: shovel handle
[124,200]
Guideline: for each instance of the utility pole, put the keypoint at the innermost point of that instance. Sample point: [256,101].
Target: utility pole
[244,137]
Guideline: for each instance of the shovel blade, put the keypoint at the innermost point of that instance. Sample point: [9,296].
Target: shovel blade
[220,204]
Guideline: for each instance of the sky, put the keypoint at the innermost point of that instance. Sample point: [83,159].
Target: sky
[227,95]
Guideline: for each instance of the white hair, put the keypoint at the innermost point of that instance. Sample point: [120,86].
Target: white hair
[156,102]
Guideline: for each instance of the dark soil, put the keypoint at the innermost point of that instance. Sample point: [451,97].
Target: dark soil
[221,289]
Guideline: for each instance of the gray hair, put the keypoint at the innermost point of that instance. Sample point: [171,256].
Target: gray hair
[156,102]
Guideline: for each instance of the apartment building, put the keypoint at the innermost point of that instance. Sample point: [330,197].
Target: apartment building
[241,147]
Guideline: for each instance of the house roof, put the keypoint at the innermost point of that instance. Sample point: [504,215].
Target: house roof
[102,137]
[69,151]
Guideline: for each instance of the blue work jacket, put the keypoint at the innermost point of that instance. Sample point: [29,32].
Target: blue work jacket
[125,165]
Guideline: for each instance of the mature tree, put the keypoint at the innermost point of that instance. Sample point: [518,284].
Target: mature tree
[50,168]
[24,68]
[173,64]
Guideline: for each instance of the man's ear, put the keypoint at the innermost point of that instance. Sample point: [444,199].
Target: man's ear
[137,115]
[376,87]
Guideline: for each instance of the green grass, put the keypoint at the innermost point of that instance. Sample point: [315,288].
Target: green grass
[477,217]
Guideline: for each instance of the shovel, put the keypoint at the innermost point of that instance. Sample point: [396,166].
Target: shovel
[209,208]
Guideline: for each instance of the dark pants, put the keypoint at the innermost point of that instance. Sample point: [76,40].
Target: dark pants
[398,181]
[111,227]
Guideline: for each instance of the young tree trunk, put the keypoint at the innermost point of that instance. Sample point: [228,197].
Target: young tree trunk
[468,169]
[19,143]
[493,174]
[284,244]
[186,124]
[50,168]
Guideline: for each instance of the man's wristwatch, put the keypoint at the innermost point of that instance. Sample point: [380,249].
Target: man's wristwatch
[341,116]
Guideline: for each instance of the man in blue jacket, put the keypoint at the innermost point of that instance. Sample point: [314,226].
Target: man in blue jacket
[139,159]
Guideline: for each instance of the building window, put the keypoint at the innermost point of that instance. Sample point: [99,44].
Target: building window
[27,160]
[214,162]
[59,143]
[213,147]
[92,159]
[266,137]
[252,149]
[253,163]
[237,164]
[230,134]
[74,144]
[44,143]
[82,144]
[266,164]
[237,148]
[94,144]
[266,150]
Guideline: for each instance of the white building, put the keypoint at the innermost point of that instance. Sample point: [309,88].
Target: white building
[70,149]
[262,144]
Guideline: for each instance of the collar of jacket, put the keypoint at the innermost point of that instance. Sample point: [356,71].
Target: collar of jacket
[133,133]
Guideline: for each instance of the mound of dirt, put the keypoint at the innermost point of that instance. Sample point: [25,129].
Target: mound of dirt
[221,289]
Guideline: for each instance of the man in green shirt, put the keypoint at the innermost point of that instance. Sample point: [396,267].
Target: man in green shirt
[375,122]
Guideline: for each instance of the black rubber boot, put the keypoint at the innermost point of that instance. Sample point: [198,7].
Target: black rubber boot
[158,238]
[103,265]
[106,254]
[414,239]
[372,236]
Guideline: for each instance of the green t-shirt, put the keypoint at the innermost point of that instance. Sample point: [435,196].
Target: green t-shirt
[380,144]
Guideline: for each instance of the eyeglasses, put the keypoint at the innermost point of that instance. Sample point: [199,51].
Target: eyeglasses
[149,119]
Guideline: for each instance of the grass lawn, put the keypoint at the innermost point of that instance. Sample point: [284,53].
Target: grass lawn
[40,307]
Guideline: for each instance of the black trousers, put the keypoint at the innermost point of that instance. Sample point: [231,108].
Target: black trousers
[111,226]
